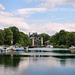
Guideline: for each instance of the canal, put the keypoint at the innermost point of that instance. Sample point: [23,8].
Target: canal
[39,61]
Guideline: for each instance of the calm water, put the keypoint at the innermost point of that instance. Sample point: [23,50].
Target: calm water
[53,65]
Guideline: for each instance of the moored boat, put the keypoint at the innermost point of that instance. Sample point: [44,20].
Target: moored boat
[20,49]
[72,48]
[49,46]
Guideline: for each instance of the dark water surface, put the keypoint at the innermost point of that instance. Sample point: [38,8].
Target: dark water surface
[53,65]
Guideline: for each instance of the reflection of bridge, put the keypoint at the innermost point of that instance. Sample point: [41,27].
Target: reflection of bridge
[41,53]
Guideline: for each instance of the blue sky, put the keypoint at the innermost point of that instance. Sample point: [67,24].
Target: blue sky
[42,16]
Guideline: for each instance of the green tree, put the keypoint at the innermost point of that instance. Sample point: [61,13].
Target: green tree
[16,35]
[27,40]
[1,37]
[21,40]
[71,39]
[8,36]
[62,37]
[45,36]
[59,38]
[24,39]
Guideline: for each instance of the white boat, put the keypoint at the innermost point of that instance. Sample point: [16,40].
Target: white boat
[6,49]
[2,49]
[72,47]
[49,46]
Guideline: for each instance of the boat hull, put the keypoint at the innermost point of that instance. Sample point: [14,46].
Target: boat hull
[20,49]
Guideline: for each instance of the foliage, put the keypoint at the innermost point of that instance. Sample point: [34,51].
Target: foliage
[63,39]
[71,39]
[27,40]
[1,37]
[45,36]
[24,39]
[13,33]
[60,39]
[16,35]
[8,36]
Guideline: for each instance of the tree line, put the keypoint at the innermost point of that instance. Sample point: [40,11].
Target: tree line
[13,33]
[61,39]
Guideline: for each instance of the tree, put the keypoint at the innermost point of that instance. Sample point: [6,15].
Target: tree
[27,40]
[24,39]
[45,36]
[13,33]
[8,36]
[16,35]
[21,40]
[62,37]
[71,39]
[1,37]
[59,38]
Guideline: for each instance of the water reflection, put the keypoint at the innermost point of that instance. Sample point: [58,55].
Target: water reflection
[38,63]
[36,66]
[9,61]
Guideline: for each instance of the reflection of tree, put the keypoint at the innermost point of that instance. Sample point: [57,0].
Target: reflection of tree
[8,61]
[63,62]
[61,51]
[62,59]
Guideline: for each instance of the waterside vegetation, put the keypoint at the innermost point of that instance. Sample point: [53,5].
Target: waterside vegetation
[13,33]
[62,39]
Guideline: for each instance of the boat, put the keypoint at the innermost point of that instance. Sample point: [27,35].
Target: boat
[49,46]
[72,48]
[4,49]
[20,49]
[26,49]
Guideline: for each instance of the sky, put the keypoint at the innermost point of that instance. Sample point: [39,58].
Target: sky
[41,16]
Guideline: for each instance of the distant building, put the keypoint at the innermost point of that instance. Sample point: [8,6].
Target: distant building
[36,39]
[47,42]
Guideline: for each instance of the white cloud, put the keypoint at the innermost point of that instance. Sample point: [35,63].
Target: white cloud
[8,19]
[30,10]
[62,9]
[52,28]
[38,20]
[28,0]
[53,3]
[26,15]
[2,7]
[49,28]
[5,14]
[33,0]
